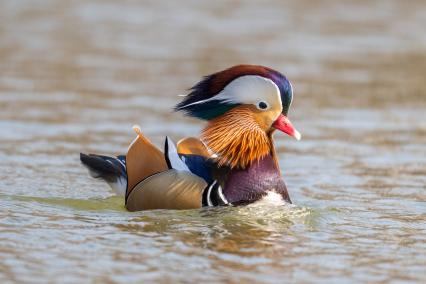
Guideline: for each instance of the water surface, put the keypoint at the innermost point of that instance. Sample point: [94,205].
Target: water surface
[75,76]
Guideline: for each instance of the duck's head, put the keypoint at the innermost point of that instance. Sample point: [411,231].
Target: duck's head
[243,105]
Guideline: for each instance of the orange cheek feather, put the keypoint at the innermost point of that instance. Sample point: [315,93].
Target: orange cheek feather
[238,137]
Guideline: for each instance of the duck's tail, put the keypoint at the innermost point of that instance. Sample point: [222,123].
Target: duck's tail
[110,169]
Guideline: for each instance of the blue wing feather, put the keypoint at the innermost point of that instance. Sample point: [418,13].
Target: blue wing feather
[200,166]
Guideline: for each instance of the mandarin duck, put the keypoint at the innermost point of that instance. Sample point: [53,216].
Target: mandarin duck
[233,162]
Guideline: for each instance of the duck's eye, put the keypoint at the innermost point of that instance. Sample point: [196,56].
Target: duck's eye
[262,105]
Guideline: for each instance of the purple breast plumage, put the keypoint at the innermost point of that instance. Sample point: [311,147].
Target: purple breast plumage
[251,184]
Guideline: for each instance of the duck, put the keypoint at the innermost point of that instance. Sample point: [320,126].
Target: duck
[231,162]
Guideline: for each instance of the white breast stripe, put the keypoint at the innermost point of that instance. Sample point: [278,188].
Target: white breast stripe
[219,190]
[209,191]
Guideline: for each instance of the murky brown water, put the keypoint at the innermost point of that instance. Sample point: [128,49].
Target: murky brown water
[75,76]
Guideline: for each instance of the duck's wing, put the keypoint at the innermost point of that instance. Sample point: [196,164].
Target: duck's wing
[143,159]
[192,146]
[196,157]
[175,188]
[200,166]
[157,180]
[170,189]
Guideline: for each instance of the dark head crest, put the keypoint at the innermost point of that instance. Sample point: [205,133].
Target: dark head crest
[200,102]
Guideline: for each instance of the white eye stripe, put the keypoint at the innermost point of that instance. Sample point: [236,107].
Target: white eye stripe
[248,89]
[251,89]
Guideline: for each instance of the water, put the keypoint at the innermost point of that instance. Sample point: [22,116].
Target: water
[75,76]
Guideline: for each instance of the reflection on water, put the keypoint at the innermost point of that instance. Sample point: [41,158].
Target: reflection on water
[76,75]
